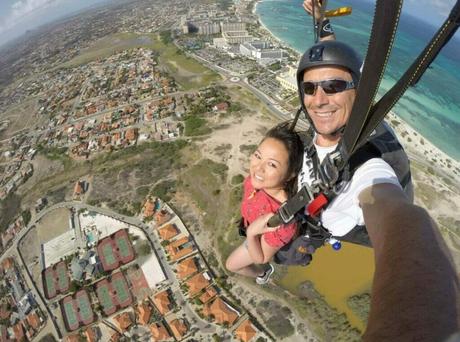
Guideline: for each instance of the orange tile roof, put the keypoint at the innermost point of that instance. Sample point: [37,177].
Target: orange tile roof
[4,312]
[209,293]
[115,337]
[131,134]
[33,320]
[149,208]
[221,312]
[77,189]
[177,253]
[168,232]
[90,335]
[73,338]
[124,321]
[144,312]
[159,332]
[178,328]
[196,284]
[186,268]
[246,331]
[18,329]
[8,263]
[162,302]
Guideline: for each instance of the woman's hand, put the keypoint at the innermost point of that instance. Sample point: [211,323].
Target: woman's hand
[259,226]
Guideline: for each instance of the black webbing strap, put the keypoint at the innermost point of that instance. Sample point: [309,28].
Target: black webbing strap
[413,73]
[386,17]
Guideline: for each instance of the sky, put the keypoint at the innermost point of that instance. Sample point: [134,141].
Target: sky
[18,16]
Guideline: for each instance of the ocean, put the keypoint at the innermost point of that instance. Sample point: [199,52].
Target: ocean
[432,107]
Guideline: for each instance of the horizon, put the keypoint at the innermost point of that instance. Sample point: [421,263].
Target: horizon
[24,16]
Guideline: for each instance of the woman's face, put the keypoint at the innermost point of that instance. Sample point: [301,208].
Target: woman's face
[269,165]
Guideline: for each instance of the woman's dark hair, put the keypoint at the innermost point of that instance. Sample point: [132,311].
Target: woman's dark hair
[294,146]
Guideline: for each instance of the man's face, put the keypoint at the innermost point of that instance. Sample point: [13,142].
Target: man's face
[329,112]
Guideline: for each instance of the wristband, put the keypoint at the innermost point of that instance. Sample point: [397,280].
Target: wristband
[326,29]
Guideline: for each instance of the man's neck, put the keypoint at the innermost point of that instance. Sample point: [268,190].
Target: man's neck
[327,140]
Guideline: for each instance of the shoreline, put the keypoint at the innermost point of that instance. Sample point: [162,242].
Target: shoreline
[428,148]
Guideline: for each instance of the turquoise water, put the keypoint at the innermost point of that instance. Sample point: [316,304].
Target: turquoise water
[432,107]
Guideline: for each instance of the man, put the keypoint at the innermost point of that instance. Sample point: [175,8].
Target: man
[415,289]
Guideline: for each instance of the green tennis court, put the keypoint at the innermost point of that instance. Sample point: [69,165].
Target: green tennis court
[109,256]
[85,311]
[124,247]
[105,298]
[63,279]
[49,281]
[70,314]
[122,291]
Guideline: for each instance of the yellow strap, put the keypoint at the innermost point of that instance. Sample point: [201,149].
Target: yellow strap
[338,12]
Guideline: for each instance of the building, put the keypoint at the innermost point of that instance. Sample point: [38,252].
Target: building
[222,312]
[246,331]
[159,332]
[288,79]
[178,328]
[261,51]
[237,37]
[197,283]
[186,268]
[162,302]
[232,26]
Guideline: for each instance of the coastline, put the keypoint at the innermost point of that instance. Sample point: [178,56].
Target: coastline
[427,148]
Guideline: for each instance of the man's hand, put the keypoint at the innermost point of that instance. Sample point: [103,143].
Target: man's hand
[308,7]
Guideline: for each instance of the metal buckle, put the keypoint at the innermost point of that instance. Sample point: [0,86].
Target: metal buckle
[284,213]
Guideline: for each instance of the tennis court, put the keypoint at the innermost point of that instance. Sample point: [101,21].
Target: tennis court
[85,312]
[55,280]
[105,297]
[115,249]
[121,291]
[50,289]
[70,313]
[62,278]
[124,247]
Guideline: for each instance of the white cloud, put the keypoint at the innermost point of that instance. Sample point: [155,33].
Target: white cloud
[24,8]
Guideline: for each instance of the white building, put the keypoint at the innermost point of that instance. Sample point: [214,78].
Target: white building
[288,79]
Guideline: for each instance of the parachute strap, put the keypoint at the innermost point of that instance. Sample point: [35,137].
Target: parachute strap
[413,73]
[386,18]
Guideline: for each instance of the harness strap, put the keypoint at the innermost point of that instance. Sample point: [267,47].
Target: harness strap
[413,73]
[386,17]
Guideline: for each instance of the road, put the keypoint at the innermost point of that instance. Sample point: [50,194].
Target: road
[75,206]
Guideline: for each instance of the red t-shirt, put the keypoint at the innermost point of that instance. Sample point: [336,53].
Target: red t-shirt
[256,203]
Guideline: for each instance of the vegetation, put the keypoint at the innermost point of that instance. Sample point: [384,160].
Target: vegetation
[360,305]
[238,179]
[9,209]
[26,216]
[165,189]
[194,125]
[144,248]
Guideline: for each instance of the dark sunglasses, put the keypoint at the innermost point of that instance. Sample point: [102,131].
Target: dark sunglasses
[329,86]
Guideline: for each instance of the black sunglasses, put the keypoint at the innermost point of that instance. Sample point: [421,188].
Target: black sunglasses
[329,86]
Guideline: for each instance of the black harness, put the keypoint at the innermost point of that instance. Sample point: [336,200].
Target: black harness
[312,234]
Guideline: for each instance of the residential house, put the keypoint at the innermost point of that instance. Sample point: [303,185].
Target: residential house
[159,332]
[222,312]
[246,331]
[144,311]
[197,283]
[123,321]
[162,302]
[186,268]
[178,328]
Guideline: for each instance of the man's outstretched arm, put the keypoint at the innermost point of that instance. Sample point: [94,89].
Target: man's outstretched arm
[415,293]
